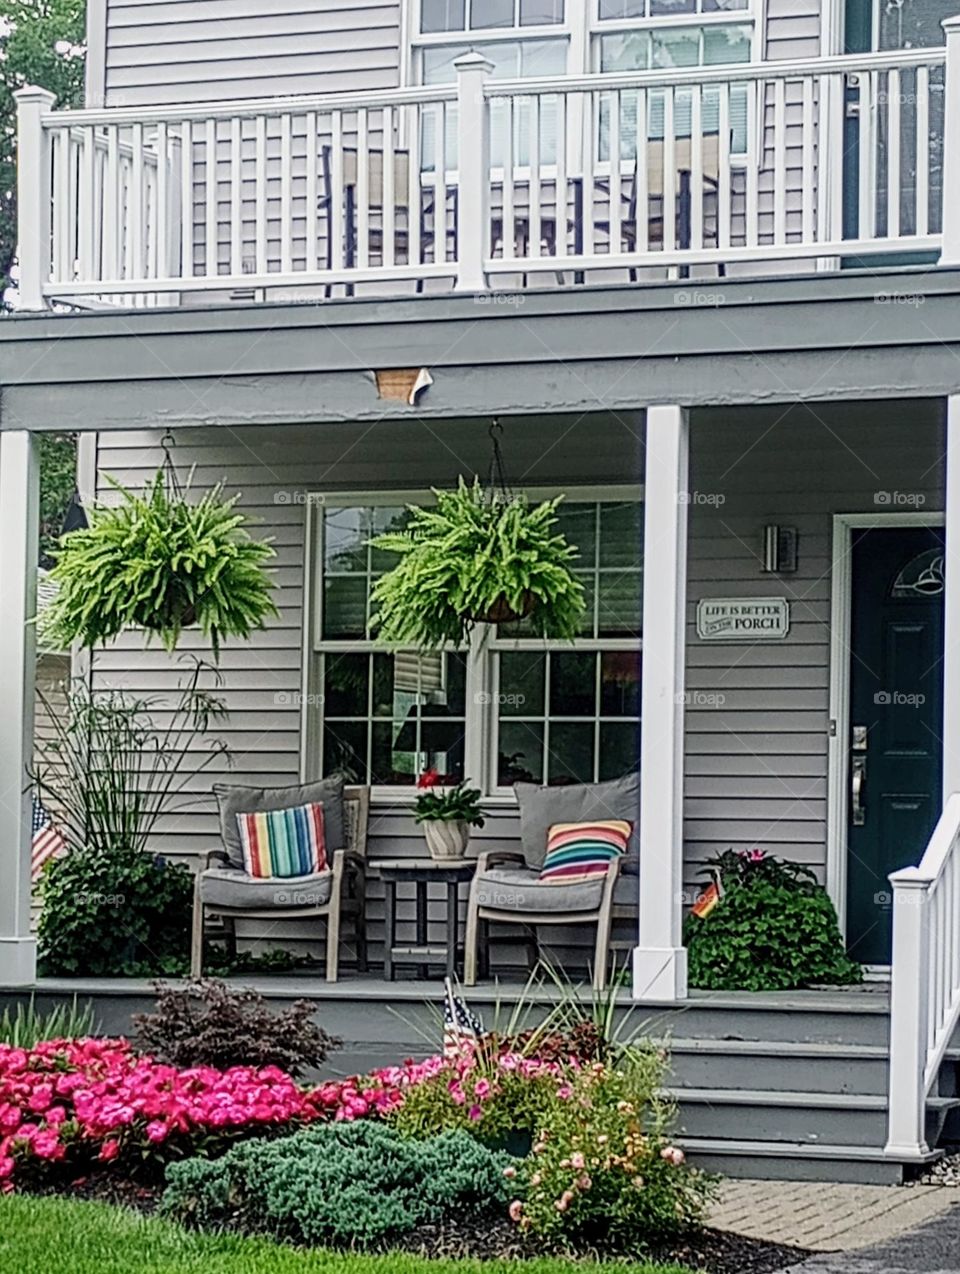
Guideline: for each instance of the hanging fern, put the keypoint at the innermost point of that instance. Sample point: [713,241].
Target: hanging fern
[159,562]
[472,559]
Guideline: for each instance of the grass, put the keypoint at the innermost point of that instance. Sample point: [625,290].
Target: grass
[60,1236]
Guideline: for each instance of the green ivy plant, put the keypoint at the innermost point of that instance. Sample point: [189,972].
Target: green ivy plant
[160,562]
[773,929]
[474,558]
[460,804]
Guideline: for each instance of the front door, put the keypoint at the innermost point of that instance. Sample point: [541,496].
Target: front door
[896,704]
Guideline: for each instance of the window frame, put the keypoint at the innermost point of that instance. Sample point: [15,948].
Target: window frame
[481,724]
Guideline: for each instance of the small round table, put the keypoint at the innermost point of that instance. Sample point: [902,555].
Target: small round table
[422,872]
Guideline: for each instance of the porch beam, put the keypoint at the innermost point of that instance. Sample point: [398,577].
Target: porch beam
[660,959]
[19,522]
[951,606]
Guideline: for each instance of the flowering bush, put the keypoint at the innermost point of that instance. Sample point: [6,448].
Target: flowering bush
[76,1103]
[603,1169]
[497,1096]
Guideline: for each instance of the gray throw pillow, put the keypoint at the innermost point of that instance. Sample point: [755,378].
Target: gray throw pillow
[542,806]
[234,799]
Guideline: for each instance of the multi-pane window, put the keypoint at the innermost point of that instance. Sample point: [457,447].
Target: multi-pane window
[556,712]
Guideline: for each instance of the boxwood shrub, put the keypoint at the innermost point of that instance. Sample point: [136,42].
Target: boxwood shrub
[346,1185]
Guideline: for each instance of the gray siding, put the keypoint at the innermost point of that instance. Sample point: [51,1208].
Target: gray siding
[793,30]
[160,51]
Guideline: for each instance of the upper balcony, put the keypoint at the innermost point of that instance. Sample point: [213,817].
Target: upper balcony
[488,184]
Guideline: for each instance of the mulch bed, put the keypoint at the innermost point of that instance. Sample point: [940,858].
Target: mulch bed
[712,1251]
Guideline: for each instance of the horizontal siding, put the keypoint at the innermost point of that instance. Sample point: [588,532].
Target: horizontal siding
[793,30]
[168,51]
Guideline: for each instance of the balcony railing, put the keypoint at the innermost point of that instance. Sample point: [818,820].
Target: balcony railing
[493,183]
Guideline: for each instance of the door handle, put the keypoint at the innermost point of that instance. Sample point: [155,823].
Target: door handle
[858,784]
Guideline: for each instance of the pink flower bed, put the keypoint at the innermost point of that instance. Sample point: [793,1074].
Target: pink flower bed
[91,1100]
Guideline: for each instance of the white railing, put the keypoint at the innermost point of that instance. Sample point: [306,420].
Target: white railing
[925,980]
[488,181]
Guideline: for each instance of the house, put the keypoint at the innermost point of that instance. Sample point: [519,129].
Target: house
[702,262]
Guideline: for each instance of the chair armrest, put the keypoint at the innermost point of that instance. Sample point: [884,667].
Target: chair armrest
[494,857]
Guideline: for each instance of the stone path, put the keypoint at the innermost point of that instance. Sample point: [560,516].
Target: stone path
[829,1217]
[932,1248]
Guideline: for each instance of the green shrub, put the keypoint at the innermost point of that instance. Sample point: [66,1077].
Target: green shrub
[114,912]
[345,1184]
[603,1170]
[774,929]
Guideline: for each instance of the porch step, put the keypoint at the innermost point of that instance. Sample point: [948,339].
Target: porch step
[801,1067]
[762,1160]
[794,1118]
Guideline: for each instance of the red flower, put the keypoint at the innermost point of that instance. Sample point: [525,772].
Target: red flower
[429,778]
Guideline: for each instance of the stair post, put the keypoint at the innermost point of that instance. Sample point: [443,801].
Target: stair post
[906,1112]
[950,253]
[473,165]
[34,216]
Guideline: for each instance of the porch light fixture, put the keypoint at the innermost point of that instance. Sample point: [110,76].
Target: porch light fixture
[779,550]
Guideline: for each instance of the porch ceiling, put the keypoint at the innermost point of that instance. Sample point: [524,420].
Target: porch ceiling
[844,335]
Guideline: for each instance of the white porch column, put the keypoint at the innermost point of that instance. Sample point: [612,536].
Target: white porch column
[950,255]
[33,196]
[19,514]
[473,166]
[660,959]
[951,607]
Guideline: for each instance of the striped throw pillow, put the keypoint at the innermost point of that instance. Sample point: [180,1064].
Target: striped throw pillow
[583,851]
[284,843]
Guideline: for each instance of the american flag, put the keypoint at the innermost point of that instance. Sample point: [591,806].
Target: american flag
[47,842]
[459,1024]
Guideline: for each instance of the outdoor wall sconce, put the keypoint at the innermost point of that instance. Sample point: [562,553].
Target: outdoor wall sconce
[779,550]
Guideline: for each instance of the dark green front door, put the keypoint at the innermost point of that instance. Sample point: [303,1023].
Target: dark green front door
[896,704]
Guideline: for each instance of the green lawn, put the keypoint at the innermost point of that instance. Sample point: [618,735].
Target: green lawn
[58,1236]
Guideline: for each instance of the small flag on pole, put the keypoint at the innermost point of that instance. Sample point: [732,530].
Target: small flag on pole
[708,899]
[459,1024]
[46,843]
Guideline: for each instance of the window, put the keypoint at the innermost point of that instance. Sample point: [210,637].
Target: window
[551,712]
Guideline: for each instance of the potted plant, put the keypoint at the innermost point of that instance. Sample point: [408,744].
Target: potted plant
[446,816]
[160,562]
[476,557]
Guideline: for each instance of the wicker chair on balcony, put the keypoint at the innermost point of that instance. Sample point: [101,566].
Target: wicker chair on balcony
[223,888]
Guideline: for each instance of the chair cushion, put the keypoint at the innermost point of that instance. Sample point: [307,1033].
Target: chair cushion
[577,852]
[235,799]
[541,806]
[283,843]
[520,889]
[230,887]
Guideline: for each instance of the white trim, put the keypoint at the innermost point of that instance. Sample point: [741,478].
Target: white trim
[95,68]
[838,751]
[832,21]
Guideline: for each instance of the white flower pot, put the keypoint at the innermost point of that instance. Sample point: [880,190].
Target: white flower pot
[445,838]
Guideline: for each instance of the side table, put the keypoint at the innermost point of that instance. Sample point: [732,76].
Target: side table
[422,872]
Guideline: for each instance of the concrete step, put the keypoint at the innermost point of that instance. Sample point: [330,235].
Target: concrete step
[759,1160]
[850,1119]
[771,1064]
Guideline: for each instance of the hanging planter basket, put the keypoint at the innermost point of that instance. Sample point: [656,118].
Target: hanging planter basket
[501,612]
[160,562]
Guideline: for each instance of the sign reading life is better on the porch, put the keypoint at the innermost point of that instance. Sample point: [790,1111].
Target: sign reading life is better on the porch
[743,618]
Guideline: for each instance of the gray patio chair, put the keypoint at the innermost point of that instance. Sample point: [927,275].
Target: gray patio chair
[230,893]
[506,889]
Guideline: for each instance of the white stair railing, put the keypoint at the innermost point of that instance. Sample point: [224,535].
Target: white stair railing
[925,980]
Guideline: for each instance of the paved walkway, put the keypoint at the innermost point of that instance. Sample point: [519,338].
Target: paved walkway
[829,1217]
[932,1248]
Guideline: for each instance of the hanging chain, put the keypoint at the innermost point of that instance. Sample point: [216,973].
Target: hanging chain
[497,484]
[174,490]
